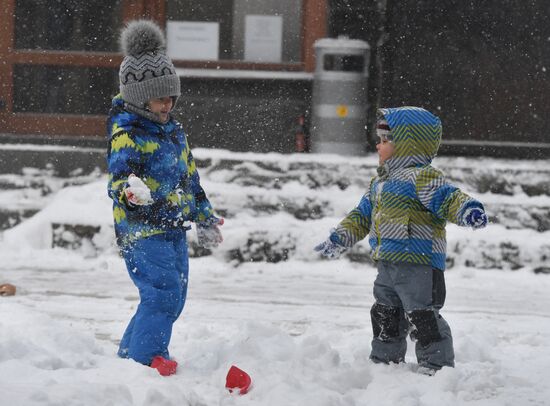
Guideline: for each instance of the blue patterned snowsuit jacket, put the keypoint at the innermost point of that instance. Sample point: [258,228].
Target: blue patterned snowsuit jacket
[160,156]
[407,206]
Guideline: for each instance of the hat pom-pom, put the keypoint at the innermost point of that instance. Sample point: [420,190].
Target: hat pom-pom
[141,36]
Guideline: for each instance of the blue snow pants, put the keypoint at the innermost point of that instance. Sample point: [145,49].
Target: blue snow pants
[408,300]
[159,267]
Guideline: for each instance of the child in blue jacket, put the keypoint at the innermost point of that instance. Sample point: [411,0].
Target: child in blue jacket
[404,213]
[156,193]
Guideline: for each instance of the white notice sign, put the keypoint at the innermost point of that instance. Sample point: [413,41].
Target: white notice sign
[263,38]
[193,40]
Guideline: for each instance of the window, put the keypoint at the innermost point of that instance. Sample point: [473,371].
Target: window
[67,25]
[256,31]
[66,90]
[66,80]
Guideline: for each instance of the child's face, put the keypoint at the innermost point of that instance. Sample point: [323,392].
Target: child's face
[385,150]
[161,107]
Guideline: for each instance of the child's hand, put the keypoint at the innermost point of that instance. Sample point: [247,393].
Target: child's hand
[330,248]
[208,232]
[137,193]
[475,218]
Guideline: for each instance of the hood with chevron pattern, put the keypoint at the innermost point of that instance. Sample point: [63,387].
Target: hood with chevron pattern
[416,135]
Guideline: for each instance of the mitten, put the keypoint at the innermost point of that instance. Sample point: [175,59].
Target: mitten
[208,232]
[475,218]
[331,248]
[137,193]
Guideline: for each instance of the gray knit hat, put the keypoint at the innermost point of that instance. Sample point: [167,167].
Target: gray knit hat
[146,72]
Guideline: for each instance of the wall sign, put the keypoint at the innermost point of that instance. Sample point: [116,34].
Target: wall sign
[263,38]
[193,40]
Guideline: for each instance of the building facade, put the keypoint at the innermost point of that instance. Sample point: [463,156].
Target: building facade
[246,67]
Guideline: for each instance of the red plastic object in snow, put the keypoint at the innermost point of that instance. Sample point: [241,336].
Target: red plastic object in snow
[237,380]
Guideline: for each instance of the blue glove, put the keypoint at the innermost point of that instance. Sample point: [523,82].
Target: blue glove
[331,247]
[208,232]
[475,218]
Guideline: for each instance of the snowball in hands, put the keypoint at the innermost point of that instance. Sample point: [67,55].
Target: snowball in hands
[137,193]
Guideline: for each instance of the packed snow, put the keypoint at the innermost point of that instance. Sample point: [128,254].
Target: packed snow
[300,327]
[140,191]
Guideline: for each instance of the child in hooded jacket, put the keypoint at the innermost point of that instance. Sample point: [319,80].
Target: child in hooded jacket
[156,193]
[404,213]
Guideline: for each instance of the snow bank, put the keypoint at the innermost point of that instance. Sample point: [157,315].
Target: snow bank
[277,207]
[83,205]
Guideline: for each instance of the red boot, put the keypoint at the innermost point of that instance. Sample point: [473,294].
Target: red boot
[165,366]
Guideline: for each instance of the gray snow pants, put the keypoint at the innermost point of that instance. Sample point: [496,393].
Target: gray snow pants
[408,299]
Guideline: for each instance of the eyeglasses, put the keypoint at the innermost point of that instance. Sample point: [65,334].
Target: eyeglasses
[384,135]
[383,131]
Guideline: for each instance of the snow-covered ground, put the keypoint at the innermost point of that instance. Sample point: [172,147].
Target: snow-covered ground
[300,327]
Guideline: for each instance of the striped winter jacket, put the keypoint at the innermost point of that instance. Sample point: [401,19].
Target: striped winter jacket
[408,204]
[160,156]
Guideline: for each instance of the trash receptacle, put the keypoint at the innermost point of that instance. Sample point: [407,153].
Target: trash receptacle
[339,100]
